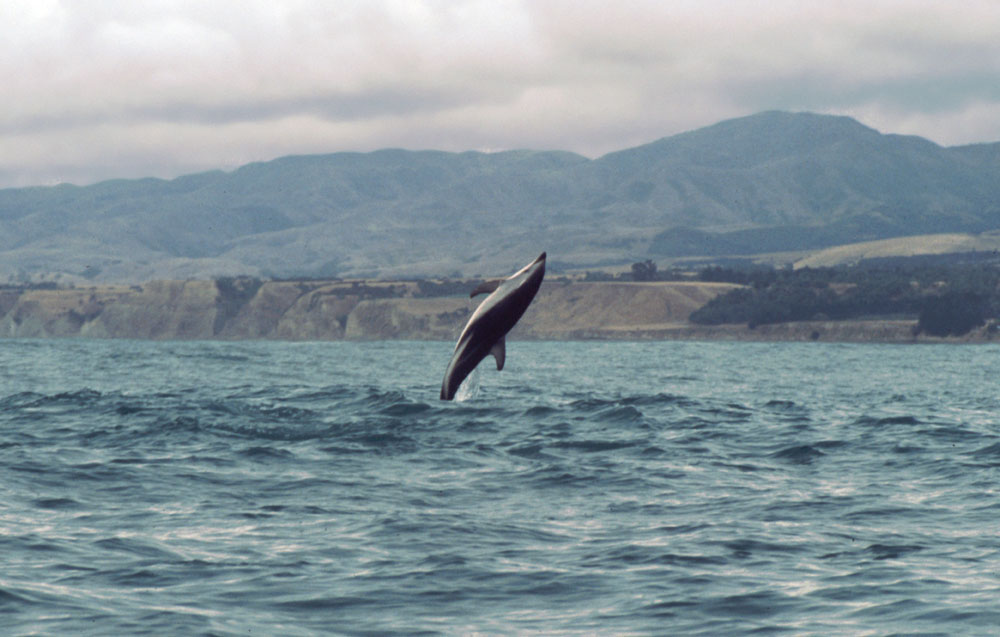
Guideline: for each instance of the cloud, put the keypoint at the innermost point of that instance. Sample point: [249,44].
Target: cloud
[97,89]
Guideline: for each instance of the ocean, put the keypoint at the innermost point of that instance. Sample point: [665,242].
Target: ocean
[641,488]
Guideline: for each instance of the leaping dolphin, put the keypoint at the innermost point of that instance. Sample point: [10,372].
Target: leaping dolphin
[486,331]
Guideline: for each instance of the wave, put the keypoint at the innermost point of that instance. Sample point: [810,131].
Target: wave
[283,501]
[799,454]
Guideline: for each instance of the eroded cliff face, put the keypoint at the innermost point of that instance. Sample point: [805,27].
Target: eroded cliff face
[431,319]
[40,313]
[330,310]
[579,309]
[160,309]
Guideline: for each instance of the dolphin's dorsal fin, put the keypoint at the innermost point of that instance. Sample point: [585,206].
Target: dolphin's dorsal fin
[499,352]
[486,287]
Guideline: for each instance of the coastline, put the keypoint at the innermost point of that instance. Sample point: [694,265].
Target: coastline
[247,309]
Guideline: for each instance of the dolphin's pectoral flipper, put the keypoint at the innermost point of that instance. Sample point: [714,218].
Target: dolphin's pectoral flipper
[499,352]
[486,287]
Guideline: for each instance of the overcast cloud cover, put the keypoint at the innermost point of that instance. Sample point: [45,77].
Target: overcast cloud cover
[95,89]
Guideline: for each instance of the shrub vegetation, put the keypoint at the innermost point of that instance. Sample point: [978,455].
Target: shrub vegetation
[947,299]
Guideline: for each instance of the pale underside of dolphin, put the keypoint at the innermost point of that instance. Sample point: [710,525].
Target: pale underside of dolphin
[486,331]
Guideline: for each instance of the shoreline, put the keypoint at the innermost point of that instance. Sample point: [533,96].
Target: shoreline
[247,309]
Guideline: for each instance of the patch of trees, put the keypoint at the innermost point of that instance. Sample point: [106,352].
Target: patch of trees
[366,291]
[952,314]
[233,293]
[640,271]
[36,285]
[237,289]
[644,271]
[427,288]
[446,287]
[946,299]
[360,289]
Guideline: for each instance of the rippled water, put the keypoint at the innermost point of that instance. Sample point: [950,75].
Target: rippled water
[608,488]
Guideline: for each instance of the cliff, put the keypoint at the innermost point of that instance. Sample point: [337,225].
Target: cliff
[236,309]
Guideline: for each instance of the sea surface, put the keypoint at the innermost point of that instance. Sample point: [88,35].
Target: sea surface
[655,488]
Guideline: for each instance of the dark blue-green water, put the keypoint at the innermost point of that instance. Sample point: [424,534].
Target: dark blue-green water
[589,488]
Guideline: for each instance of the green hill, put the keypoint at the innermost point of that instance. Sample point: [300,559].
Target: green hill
[765,183]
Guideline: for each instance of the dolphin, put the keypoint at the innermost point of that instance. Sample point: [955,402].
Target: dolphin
[486,331]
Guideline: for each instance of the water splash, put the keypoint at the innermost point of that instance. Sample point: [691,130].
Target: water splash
[469,389]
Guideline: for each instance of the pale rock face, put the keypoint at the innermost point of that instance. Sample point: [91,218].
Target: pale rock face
[333,310]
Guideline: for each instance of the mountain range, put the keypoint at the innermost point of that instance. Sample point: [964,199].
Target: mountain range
[770,182]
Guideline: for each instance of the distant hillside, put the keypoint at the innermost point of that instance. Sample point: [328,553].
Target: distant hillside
[765,183]
[922,245]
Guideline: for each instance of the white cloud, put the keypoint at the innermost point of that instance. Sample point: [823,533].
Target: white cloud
[95,89]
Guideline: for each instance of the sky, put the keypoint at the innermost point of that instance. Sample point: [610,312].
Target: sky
[101,89]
